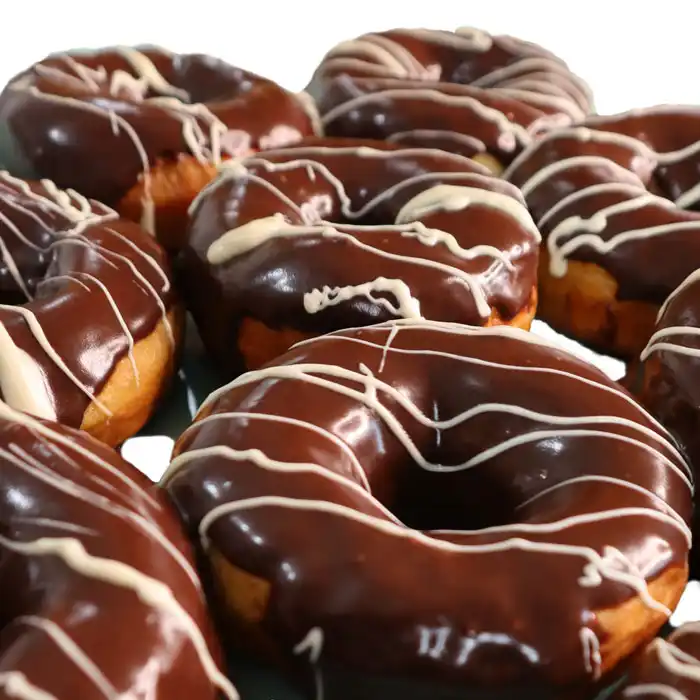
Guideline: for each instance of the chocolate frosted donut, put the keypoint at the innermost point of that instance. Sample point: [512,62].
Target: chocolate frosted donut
[142,129]
[466,91]
[100,598]
[443,510]
[614,199]
[668,669]
[88,323]
[336,233]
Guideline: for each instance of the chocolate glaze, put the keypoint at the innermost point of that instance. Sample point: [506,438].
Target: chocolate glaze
[67,117]
[604,192]
[79,287]
[342,199]
[668,669]
[467,90]
[100,597]
[447,429]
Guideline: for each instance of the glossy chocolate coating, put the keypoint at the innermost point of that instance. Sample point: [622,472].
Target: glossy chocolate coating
[449,429]
[79,287]
[332,180]
[59,121]
[571,181]
[464,89]
[667,668]
[98,593]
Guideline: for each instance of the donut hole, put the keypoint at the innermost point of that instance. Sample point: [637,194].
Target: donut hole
[430,501]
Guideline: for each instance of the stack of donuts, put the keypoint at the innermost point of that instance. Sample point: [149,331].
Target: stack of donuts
[398,490]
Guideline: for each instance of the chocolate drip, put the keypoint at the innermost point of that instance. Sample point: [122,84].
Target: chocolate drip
[100,598]
[583,500]
[88,285]
[334,233]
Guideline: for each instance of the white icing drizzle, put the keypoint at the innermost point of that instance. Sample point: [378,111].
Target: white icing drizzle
[456,198]
[611,564]
[662,339]
[591,652]
[358,472]
[448,198]
[16,685]
[406,306]
[53,524]
[641,690]
[22,382]
[312,644]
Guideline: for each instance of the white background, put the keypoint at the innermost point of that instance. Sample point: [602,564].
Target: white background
[633,53]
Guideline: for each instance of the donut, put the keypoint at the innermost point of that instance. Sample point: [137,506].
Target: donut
[89,324]
[444,508]
[334,233]
[615,199]
[468,92]
[142,129]
[100,597]
[669,669]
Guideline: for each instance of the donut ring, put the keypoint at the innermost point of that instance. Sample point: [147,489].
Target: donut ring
[161,121]
[100,597]
[515,462]
[466,91]
[612,198]
[335,233]
[667,668]
[89,328]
